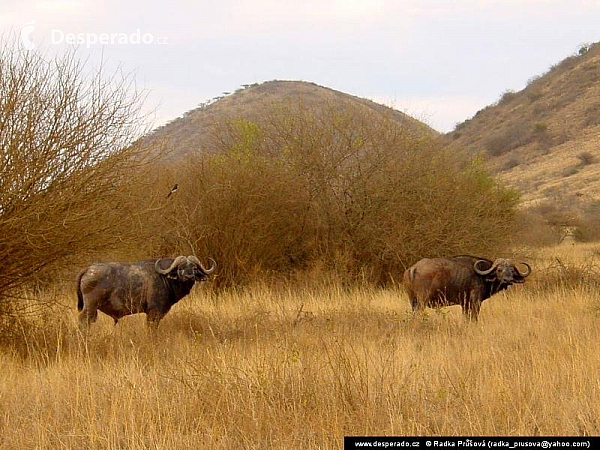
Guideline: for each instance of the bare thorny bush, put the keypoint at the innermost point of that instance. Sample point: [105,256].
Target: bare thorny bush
[67,156]
[341,191]
[547,223]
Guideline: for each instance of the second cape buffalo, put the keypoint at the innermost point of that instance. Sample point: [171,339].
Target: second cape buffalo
[151,287]
[461,280]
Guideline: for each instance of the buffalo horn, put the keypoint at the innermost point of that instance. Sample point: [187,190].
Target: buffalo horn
[174,264]
[213,264]
[483,272]
[524,274]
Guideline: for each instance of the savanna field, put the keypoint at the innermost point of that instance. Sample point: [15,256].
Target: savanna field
[312,202]
[302,366]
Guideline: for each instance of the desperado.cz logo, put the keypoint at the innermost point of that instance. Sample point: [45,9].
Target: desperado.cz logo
[26,31]
[58,36]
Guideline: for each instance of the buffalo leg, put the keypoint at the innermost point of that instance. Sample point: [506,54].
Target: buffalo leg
[416,305]
[471,309]
[86,317]
[153,318]
[414,301]
[472,312]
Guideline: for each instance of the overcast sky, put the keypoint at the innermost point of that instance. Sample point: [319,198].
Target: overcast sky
[440,61]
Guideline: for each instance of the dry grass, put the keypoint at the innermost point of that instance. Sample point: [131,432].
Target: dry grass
[302,368]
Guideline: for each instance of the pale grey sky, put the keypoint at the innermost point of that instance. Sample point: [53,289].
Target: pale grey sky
[439,60]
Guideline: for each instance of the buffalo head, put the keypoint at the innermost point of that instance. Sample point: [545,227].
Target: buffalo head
[502,271]
[184,268]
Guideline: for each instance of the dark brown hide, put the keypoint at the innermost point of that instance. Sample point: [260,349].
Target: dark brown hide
[438,282]
[151,287]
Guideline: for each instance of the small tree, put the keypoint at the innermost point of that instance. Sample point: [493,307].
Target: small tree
[66,145]
[583,49]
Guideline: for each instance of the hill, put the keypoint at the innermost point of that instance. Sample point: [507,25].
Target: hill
[317,178]
[545,139]
[193,131]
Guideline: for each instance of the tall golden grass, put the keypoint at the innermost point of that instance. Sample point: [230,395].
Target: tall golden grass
[302,367]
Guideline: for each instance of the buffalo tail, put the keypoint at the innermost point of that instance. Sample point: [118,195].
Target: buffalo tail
[411,274]
[79,293]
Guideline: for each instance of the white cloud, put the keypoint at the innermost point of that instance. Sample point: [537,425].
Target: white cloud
[60,6]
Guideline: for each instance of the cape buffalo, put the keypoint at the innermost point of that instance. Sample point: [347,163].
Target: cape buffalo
[462,280]
[152,287]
